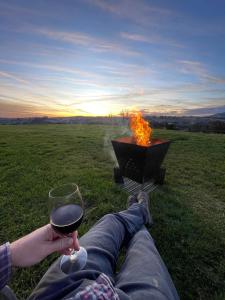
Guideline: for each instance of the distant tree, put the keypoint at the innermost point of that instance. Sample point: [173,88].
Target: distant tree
[171,126]
[124,114]
[196,127]
[216,126]
[39,120]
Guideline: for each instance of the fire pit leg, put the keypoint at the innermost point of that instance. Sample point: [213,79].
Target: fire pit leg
[118,178]
[160,176]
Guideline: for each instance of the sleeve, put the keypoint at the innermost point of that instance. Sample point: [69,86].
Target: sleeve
[5,265]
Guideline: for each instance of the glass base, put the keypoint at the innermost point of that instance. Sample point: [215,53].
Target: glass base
[74,262]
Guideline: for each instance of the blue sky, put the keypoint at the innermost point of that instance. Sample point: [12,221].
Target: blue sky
[99,57]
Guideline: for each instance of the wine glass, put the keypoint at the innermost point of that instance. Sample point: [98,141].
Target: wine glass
[66,214]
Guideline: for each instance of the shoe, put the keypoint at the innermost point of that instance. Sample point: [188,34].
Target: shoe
[131,200]
[143,199]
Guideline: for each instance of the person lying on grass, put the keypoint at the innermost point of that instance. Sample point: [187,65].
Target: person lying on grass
[143,274]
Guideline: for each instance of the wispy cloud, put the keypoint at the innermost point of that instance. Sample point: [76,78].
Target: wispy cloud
[14,110]
[13,77]
[51,67]
[9,10]
[18,10]
[198,69]
[135,37]
[174,110]
[205,111]
[83,39]
[169,100]
[136,11]
[104,75]
[124,69]
[30,96]
[23,110]
[150,39]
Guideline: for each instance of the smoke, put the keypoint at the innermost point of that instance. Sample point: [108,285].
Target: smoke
[119,128]
[108,147]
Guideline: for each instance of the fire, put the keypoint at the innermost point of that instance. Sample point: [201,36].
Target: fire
[140,129]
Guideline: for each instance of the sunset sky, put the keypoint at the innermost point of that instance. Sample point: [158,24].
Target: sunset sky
[99,57]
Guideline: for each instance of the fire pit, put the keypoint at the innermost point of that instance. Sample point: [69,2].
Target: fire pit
[140,157]
[140,163]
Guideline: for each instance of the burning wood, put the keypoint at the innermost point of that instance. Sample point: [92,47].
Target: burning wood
[141,130]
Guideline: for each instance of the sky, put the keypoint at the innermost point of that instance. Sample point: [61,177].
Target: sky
[102,57]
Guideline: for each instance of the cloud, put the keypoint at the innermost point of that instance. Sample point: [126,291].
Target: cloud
[135,37]
[108,98]
[51,67]
[124,69]
[174,110]
[205,111]
[147,101]
[83,39]
[181,95]
[32,97]
[103,75]
[14,77]
[198,69]
[17,106]
[165,110]
[136,11]
[9,10]
[150,39]
[14,110]
[31,105]
[22,11]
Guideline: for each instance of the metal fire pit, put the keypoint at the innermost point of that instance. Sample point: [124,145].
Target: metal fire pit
[140,163]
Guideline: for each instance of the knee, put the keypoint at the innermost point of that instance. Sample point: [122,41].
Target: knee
[109,217]
[143,234]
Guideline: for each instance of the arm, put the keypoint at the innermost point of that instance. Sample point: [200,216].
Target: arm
[32,248]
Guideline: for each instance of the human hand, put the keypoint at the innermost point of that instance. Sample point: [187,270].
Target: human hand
[34,247]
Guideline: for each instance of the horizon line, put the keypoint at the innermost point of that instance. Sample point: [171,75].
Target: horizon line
[112,116]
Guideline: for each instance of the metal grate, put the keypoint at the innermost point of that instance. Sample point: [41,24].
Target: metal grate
[133,187]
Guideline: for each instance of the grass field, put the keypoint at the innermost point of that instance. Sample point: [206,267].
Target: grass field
[188,211]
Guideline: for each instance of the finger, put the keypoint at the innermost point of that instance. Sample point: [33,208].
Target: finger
[66,252]
[76,244]
[60,244]
[51,234]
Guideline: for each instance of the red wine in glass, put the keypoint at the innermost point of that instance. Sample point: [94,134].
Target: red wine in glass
[67,218]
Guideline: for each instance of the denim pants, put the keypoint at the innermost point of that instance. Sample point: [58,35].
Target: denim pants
[143,274]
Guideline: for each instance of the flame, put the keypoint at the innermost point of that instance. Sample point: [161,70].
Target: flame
[140,129]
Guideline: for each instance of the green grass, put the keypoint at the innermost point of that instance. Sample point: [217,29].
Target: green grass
[188,210]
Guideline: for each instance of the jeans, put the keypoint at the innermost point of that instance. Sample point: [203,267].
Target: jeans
[143,274]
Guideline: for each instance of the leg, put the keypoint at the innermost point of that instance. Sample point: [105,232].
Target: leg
[104,240]
[102,243]
[143,274]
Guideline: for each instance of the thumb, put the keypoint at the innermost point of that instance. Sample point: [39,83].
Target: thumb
[61,244]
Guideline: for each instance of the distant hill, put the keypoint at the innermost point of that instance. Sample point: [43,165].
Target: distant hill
[219,116]
[214,123]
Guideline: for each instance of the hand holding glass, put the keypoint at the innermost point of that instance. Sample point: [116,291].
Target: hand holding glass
[66,214]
